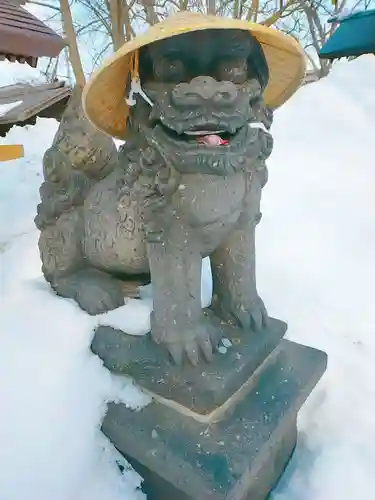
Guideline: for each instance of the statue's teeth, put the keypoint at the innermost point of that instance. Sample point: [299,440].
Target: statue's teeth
[204,132]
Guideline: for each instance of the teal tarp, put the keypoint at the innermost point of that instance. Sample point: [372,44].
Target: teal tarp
[354,36]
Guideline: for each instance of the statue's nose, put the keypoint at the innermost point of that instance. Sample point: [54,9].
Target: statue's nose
[204,90]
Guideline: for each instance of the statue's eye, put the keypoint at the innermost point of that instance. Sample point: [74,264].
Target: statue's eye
[232,70]
[173,65]
[169,70]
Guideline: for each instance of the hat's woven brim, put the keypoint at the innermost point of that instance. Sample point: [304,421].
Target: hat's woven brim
[104,94]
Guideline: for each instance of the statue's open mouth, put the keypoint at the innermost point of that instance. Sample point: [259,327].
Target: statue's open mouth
[210,148]
[204,136]
[210,137]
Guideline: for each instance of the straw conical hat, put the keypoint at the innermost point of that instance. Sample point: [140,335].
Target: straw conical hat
[104,95]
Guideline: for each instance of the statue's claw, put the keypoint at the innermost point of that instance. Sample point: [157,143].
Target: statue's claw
[197,345]
[252,316]
[176,351]
[206,347]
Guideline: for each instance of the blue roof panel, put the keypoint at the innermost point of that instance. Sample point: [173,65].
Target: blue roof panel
[354,36]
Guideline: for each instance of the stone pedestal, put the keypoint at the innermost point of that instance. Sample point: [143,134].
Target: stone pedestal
[223,431]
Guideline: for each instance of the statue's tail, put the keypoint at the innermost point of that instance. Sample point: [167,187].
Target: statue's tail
[79,156]
[88,150]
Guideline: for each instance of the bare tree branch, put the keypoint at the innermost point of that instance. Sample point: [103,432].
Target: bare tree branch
[42,4]
[115,21]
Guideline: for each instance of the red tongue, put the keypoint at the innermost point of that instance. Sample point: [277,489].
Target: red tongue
[212,140]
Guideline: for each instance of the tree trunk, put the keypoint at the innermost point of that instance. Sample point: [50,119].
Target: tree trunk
[74,56]
[126,21]
[211,7]
[253,11]
[149,9]
[116,13]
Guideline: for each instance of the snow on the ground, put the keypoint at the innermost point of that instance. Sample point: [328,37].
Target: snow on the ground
[53,392]
[318,274]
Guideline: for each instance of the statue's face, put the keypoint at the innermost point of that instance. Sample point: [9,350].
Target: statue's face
[206,86]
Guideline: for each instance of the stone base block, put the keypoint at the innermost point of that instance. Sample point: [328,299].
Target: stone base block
[240,457]
[203,388]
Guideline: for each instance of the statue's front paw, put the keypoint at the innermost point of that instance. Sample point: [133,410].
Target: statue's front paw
[249,315]
[194,344]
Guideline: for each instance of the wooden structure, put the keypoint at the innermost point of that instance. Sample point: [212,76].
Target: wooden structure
[23,37]
[21,104]
[30,101]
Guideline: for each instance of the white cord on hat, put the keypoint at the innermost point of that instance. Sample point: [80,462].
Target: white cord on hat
[136,88]
[135,85]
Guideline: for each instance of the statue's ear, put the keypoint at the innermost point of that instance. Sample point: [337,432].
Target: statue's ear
[266,116]
[263,113]
[269,114]
[138,114]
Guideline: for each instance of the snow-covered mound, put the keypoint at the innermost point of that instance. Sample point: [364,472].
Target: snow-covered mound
[315,269]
